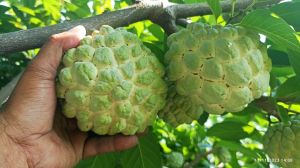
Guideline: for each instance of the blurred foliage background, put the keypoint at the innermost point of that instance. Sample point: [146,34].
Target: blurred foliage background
[230,140]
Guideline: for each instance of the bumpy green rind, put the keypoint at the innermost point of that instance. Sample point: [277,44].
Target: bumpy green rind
[111,83]
[224,68]
[175,160]
[180,109]
[281,143]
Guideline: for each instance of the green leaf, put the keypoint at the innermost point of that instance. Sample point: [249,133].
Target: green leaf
[189,134]
[289,11]
[215,7]
[29,3]
[234,160]
[274,82]
[294,57]
[283,113]
[25,9]
[203,118]
[108,160]
[157,31]
[189,1]
[276,29]
[279,58]
[248,114]
[53,8]
[265,22]
[289,89]
[144,155]
[156,50]
[21,15]
[228,130]
[76,11]
[282,71]
[236,146]
[3,9]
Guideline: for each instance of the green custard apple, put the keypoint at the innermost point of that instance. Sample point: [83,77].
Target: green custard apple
[111,83]
[180,109]
[281,143]
[175,160]
[219,68]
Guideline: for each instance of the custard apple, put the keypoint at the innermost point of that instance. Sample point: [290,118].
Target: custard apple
[218,68]
[175,160]
[281,143]
[111,83]
[180,109]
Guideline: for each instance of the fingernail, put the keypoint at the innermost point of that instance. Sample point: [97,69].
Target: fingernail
[79,29]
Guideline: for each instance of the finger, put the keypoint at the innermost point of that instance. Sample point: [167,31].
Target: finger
[50,55]
[59,43]
[101,145]
[34,97]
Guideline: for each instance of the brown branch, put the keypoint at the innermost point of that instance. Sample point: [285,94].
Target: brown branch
[266,104]
[34,38]
[160,12]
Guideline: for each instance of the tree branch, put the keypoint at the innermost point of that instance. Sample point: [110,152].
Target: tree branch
[265,104]
[163,13]
[182,22]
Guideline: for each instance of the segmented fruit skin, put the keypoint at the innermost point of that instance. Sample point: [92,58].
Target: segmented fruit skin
[180,109]
[111,83]
[219,68]
[281,143]
[175,160]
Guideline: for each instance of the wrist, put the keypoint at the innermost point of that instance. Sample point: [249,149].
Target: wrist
[10,154]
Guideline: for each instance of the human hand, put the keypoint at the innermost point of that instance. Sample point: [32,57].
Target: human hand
[32,134]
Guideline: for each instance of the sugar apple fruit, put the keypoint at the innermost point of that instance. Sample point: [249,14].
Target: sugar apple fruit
[180,109]
[220,68]
[175,160]
[281,143]
[111,83]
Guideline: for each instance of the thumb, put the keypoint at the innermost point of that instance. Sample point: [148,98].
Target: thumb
[50,54]
[33,98]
